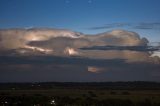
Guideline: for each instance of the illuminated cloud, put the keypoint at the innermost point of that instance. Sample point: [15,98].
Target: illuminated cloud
[116,44]
[18,38]
[156,53]
[71,51]
[94,69]
[46,51]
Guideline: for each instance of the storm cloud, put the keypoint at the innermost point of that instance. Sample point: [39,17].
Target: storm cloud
[59,42]
[64,55]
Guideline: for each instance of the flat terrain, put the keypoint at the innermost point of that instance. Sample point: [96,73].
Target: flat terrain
[81,94]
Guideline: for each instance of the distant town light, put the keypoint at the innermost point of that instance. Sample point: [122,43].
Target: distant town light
[53,102]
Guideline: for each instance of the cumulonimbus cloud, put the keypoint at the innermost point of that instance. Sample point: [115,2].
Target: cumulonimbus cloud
[64,55]
[40,41]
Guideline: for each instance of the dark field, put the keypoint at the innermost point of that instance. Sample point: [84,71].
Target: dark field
[80,94]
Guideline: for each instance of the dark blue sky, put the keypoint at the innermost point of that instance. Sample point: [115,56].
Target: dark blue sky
[82,15]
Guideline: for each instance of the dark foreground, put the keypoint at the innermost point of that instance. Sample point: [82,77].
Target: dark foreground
[80,94]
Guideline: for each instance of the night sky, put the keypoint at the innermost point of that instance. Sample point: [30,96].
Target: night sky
[79,40]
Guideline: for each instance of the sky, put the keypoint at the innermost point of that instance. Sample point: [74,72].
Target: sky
[79,40]
[83,15]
